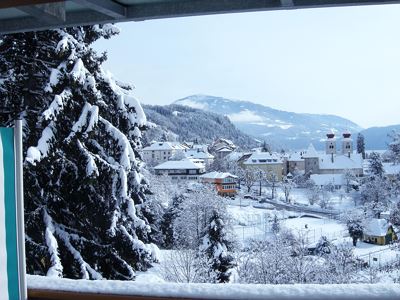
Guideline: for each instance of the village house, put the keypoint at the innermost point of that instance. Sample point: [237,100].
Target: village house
[199,154]
[379,231]
[159,152]
[332,162]
[185,169]
[221,148]
[270,163]
[295,162]
[225,183]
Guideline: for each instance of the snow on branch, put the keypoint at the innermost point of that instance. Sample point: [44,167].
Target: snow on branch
[90,112]
[85,267]
[36,154]
[56,269]
[56,105]
[91,167]
[126,103]
[127,154]
[139,245]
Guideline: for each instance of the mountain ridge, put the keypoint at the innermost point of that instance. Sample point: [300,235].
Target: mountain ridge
[288,130]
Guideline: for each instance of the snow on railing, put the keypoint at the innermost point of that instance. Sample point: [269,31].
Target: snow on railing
[51,288]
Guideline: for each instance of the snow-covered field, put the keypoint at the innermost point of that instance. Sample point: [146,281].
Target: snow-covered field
[314,228]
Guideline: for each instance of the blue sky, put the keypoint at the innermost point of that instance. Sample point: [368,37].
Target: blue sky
[343,61]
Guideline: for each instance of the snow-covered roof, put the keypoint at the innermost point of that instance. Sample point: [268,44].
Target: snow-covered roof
[183,164]
[217,175]
[325,179]
[263,158]
[355,161]
[199,146]
[234,156]
[391,169]
[224,149]
[198,154]
[311,152]
[377,227]
[164,146]
[296,156]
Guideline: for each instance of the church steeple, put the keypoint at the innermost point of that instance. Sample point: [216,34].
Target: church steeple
[330,146]
[347,144]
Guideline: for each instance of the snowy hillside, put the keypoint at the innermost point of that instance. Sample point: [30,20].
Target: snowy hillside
[176,122]
[284,129]
[376,138]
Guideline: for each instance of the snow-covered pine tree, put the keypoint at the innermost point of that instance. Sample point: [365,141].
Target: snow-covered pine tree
[375,164]
[167,223]
[276,226]
[323,246]
[85,206]
[355,229]
[361,145]
[216,246]
[394,146]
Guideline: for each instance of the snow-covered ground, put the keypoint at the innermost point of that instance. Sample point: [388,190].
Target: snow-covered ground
[250,222]
[314,228]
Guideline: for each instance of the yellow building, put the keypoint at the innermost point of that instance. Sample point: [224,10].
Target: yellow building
[379,232]
[270,163]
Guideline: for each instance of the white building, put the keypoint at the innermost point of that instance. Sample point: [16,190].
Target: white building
[199,154]
[185,169]
[323,180]
[159,152]
[222,147]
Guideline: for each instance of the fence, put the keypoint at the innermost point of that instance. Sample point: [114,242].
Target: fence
[381,258]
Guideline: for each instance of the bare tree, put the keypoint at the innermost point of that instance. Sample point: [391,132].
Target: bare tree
[183,266]
[249,177]
[287,186]
[273,182]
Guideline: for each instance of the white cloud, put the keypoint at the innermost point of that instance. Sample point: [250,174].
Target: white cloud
[245,116]
[193,104]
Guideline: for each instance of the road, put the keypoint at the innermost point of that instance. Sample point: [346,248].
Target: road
[299,208]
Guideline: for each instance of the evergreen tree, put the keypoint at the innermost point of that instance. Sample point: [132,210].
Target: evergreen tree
[167,223]
[395,215]
[85,198]
[361,145]
[394,146]
[374,194]
[276,226]
[355,230]
[323,246]
[375,164]
[216,244]
[265,147]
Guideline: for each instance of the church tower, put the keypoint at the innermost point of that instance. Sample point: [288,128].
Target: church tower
[347,144]
[330,146]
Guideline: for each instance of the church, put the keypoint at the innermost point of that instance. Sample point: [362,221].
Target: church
[334,161]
